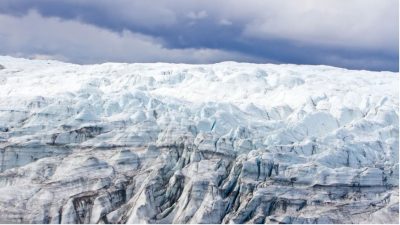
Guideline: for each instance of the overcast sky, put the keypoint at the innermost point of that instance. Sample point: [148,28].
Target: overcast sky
[356,34]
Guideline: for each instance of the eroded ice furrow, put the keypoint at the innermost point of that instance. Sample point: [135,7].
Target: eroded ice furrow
[175,143]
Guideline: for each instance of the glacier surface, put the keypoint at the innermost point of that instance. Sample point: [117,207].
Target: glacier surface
[177,143]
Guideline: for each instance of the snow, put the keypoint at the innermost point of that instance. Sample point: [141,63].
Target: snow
[73,129]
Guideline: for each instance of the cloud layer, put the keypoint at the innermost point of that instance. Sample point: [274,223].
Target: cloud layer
[360,34]
[70,40]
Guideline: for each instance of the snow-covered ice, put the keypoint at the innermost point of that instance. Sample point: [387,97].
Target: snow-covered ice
[177,143]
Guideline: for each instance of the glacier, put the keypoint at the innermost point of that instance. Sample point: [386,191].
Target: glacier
[177,143]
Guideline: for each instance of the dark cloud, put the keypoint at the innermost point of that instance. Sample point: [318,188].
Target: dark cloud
[36,36]
[360,34]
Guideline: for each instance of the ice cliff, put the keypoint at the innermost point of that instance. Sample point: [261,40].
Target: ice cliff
[176,143]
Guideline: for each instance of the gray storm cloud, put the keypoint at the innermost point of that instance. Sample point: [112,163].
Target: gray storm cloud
[360,34]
